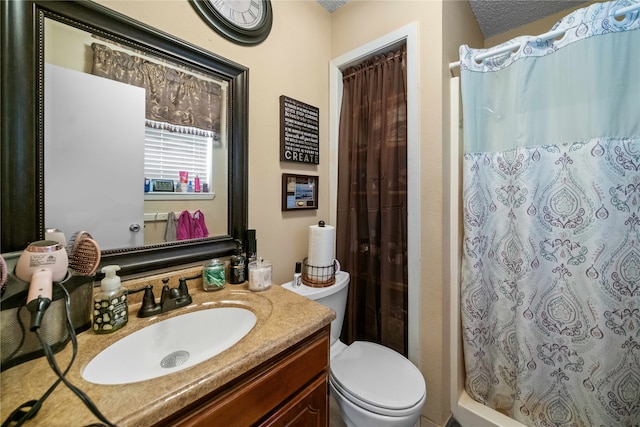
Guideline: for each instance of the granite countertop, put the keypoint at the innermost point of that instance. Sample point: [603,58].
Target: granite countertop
[283,319]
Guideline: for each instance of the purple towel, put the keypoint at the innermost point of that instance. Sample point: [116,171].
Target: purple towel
[185,226]
[199,226]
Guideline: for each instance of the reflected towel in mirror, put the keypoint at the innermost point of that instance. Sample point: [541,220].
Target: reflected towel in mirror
[199,226]
[185,225]
[172,228]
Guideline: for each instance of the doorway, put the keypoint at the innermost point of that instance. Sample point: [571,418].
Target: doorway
[408,35]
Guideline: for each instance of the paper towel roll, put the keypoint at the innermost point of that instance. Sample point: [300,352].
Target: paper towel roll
[322,243]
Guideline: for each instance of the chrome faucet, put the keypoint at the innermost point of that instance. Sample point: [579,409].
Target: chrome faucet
[170,298]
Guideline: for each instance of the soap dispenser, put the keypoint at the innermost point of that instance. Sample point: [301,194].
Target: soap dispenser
[110,309]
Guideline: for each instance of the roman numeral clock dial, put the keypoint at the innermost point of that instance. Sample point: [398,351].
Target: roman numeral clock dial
[246,22]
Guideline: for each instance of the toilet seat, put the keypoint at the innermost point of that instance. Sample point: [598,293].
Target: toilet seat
[377,379]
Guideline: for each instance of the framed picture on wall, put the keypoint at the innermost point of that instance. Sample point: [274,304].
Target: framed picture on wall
[299,192]
[299,131]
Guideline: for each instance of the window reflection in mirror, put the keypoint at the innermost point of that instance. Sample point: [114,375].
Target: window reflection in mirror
[98,182]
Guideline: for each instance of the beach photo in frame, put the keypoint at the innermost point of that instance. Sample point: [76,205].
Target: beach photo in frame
[299,192]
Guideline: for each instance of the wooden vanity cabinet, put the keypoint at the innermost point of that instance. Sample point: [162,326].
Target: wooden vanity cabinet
[290,389]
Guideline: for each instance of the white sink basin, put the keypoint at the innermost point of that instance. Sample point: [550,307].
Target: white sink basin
[170,346]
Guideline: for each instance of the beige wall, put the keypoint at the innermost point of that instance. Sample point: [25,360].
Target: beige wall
[442,27]
[292,61]
[350,31]
[70,47]
[460,27]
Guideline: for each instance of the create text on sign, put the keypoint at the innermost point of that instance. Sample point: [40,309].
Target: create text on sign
[299,141]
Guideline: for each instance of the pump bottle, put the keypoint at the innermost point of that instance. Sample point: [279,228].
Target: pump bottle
[110,308]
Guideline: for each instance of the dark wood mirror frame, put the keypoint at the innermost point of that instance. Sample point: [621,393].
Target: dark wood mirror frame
[22,126]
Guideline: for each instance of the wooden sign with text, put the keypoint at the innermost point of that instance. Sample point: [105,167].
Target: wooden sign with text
[299,141]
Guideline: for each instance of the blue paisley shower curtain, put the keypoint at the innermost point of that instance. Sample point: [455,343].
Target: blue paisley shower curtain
[550,292]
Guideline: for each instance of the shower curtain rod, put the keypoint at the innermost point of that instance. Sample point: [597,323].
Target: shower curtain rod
[543,37]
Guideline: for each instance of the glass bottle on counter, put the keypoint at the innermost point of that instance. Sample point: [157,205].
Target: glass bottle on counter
[213,277]
[260,275]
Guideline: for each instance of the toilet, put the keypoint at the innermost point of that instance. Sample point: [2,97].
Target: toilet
[371,384]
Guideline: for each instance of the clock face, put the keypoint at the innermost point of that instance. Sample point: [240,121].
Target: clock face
[243,13]
[246,22]
[164,185]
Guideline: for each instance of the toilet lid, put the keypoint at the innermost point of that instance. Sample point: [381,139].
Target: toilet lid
[378,376]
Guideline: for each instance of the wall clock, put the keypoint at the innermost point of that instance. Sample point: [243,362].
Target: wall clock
[246,22]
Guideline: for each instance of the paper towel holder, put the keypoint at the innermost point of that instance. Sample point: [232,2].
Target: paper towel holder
[299,192]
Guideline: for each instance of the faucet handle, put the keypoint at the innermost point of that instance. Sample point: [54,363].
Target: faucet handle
[148,306]
[148,299]
[184,289]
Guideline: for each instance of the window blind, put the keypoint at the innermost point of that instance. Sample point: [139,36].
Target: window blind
[166,153]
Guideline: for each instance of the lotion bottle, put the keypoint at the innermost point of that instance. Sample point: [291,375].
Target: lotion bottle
[110,309]
[297,276]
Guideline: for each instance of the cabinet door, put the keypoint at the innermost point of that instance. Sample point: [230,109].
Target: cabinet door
[309,408]
[289,389]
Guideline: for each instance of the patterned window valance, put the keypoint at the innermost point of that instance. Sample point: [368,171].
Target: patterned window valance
[188,130]
[172,96]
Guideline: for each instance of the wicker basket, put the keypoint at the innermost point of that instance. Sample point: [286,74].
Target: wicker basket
[318,277]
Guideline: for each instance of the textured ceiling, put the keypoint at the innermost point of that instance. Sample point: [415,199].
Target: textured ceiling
[497,16]
[331,5]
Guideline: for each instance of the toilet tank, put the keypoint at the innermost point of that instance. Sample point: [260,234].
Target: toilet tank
[334,297]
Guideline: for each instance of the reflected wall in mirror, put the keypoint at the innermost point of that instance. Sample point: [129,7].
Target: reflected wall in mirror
[30,167]
[116,119]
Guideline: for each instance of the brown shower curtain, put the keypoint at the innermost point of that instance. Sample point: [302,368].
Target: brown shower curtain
[371,224]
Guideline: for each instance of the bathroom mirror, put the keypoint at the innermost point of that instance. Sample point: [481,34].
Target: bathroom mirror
[23,181]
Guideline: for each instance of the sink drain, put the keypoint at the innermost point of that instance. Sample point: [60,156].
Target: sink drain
[174,359]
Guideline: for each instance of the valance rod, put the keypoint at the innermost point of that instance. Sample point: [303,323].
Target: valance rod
[542,37]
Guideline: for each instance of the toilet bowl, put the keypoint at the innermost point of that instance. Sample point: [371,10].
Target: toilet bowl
[371,384]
